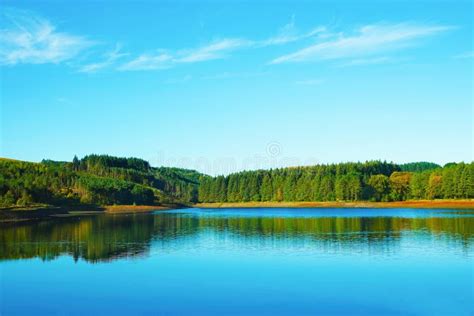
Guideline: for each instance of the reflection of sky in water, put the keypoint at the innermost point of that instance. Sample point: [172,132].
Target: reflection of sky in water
[320,212]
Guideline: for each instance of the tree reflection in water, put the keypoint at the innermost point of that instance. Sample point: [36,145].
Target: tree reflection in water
[109,237]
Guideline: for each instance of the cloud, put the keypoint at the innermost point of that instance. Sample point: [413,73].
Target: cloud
[289,34]
[184,79]
[110,58]
[148,62]
[163,59]
[362,47]
[26,38]
[285,38]
[215,50]
[368,40]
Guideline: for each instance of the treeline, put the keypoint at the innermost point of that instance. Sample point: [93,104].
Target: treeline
[107,180]
[369,181]
[178,184]
[419,166]
[94,179]
[100,163]
[24,183]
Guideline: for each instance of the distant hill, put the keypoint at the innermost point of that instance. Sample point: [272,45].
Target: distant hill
[95,179]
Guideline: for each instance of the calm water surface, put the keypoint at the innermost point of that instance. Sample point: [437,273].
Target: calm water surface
[242,261]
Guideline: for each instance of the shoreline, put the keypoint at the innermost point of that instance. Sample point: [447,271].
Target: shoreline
[40,212]
[417,204]
[127,209]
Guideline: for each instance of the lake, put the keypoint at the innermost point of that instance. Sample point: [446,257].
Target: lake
[242,261]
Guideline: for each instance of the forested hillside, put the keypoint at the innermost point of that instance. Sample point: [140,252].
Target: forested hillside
[107,180]
[94,179]
[369,181]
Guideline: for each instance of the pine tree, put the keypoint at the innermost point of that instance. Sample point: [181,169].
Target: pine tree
[266,191]
[75,163]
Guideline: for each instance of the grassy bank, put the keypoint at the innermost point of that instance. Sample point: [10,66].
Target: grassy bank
[450,204]
[123,209]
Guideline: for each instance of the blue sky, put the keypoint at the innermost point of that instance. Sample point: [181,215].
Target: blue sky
[243,85]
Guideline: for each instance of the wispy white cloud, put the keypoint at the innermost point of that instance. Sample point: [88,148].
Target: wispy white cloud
[285,38]
[368,40]
[218,49]
[289,33]
[28,38]
[148,62]
[163,59]
[215,50]
[109,59]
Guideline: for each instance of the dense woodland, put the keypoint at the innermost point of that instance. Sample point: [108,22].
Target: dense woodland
[107,180]
[94,179]
[368,181]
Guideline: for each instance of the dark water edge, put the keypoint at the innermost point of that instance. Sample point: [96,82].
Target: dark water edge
[12,215]
[235,261]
